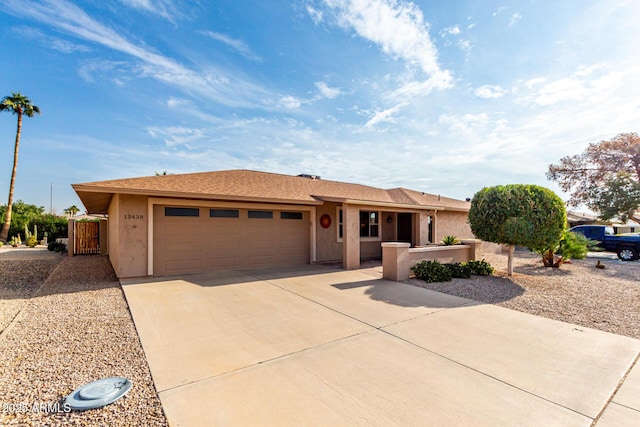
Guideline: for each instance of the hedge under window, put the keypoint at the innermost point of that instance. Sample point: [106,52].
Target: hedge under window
[224,213]
[290,215]
[181,211]
[261,214]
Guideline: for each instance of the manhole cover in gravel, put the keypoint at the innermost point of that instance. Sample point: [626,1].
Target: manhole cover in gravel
[98,393]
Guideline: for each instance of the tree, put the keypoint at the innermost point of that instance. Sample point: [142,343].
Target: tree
[518,214]
[605,177]
[72,211]
[24,214]
[19,105]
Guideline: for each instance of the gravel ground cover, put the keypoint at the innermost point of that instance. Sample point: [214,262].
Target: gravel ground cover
[606,299]
[22,271]
[75,329]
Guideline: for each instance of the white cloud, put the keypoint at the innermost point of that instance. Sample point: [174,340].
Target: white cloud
[382,116]
[315,14]
[499,10]
[489,91]
[61,45]
[453,30]
[586,83]
[416,88]
[238,45]
[177,136]
[398,27]
[515,18]
[290,102]
[465,45]
[163,8]
[466,124]
[326,91]
[215,83]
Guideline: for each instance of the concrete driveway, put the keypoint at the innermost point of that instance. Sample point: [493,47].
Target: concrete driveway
[317,346]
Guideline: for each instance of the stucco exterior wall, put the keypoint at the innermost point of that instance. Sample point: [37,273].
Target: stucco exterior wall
[128,231]
[451,223]
[114,235]
[327,246]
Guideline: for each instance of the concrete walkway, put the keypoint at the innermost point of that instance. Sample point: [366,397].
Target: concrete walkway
[317,346]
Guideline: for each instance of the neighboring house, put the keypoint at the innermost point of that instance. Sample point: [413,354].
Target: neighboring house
[191,223]
[628,227]
[580,218]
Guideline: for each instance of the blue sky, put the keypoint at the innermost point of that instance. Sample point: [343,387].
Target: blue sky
[444,97]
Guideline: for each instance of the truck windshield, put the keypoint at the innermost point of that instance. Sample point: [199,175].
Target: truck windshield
[608,231]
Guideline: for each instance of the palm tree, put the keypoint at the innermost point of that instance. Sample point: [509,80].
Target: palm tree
[72,211]
[20,105]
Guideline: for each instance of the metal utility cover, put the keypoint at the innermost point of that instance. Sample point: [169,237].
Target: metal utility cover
[98,393]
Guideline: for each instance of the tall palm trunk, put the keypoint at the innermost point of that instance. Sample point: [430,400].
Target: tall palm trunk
[7,217]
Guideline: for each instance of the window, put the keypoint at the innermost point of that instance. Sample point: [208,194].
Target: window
[181,211]
[224,213]
[368,224]
[261,214]
[290,215]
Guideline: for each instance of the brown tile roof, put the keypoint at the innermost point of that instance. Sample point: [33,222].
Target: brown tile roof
[243,185]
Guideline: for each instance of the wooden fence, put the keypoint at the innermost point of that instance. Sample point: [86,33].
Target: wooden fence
[86,238]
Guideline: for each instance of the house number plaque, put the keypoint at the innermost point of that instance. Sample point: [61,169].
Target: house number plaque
[133,216]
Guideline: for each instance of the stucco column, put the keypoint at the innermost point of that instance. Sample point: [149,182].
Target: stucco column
[395,261]
[475,248]
[423,228]
[350,237]
[434,227]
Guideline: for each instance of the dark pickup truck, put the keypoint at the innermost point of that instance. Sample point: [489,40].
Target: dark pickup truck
[627,246]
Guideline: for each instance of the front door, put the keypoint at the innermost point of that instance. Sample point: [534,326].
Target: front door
[405,228]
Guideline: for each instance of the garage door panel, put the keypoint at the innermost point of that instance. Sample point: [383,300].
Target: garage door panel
[183,266]
[196,244]
[223,263]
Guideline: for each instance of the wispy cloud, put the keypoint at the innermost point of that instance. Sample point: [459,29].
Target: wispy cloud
[238,45]
[315,14]
[177,135]
[515,18]
[489,91]
[586,83]
[215,83]
[499,10]
[55,43]
[290,102]
[326,91]
[453,30]
[409,40]
[382,116]
[164,8]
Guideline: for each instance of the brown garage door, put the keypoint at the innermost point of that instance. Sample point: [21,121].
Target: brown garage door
[194,240]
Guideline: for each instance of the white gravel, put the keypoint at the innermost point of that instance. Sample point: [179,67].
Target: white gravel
[76,329]
[606,299]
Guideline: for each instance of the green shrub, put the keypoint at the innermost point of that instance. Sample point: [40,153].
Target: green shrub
[56,246]
[32,241]
[480,268]
[459,271]
[450,240]
[432,271]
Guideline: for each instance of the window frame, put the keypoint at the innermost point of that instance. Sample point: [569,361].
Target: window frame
[259,214]
[224,213]
[340,225]
[175,209]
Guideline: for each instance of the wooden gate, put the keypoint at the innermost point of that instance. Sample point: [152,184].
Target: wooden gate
[86,238]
